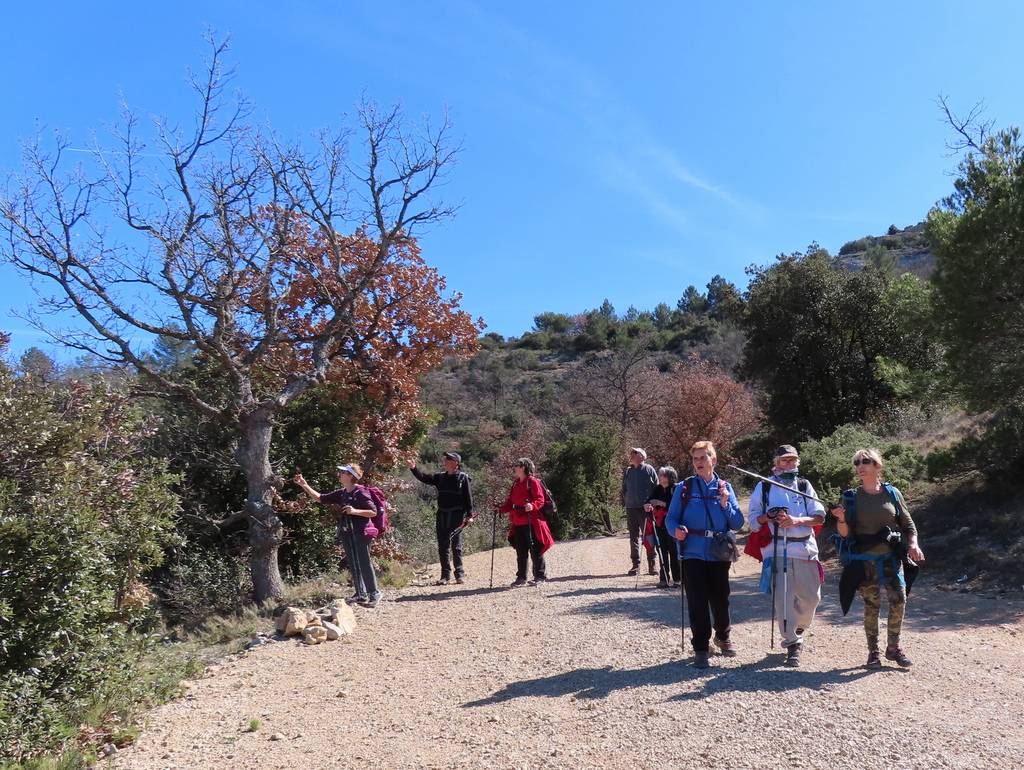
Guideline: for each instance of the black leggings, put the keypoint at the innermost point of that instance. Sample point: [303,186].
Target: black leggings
[707,599]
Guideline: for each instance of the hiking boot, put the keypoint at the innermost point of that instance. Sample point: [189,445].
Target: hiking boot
[539,580]
[874,661]
[633,571]
[662,584]
[896,654]
[355,599]
[793,655]
[442,582]
[370,604]
[650,568]
[460,579]
[518,583]
[701,660]
[726,648]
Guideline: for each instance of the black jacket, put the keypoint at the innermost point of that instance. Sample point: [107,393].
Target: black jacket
[453,492]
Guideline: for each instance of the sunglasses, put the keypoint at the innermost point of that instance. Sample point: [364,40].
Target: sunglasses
[864,461]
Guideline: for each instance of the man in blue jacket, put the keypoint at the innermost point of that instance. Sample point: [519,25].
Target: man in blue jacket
[702,506]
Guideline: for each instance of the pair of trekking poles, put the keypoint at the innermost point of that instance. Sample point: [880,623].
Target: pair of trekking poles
[775,549]
[665,573]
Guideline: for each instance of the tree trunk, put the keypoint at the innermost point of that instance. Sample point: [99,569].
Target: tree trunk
[265,529]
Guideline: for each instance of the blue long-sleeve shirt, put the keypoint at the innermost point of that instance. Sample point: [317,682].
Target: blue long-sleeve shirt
[694,512]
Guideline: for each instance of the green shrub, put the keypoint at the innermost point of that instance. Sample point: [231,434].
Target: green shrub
[82,517]
[827,462]
[580,472]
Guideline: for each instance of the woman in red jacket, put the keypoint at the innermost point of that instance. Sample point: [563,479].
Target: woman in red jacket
[530,534]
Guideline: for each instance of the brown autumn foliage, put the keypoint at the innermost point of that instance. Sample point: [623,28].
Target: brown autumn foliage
[697,401]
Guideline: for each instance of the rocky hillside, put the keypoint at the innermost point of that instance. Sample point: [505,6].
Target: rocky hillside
[907,249]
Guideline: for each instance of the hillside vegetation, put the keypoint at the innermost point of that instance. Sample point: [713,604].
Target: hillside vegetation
[146,496]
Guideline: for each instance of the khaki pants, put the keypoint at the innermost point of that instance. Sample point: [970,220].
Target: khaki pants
[794,609]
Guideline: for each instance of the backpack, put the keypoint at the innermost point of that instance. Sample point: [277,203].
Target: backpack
[550,507]
[380,522]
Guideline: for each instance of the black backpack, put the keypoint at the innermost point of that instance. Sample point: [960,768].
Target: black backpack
[550,507]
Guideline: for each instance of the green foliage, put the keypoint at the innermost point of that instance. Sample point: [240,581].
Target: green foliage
[580,471]
[978,234]
[828,461]
[815,336]
[82,516]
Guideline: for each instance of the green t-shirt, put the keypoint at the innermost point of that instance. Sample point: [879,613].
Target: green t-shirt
[875,511]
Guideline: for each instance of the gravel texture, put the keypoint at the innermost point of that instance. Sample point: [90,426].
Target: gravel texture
[585,672]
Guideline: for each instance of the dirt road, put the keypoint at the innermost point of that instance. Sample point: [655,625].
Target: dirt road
[585,672]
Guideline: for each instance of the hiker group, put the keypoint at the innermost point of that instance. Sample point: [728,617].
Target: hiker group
[687,528]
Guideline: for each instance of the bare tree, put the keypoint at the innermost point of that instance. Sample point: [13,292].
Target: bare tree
[232,240]
[618,387]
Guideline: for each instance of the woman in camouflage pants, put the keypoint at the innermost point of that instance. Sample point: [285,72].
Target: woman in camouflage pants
[877,511]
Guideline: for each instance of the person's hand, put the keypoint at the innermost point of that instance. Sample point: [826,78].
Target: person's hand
[347,510]
[299,479]
[785,521]
[411,463]
[528,507]
[915,553]
[723,494]
[680,533]
[648,507]
[840,513]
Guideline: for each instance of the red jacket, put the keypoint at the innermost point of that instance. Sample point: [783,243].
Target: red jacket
[525,491]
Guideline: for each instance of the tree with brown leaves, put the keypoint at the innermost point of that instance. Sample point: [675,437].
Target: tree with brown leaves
[235,242]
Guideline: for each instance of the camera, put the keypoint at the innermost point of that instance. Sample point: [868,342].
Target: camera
[774,513]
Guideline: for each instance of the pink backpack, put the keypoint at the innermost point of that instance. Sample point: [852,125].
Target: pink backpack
[379,524]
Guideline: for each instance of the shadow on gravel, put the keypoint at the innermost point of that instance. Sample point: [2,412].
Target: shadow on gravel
[768,675]
[930,609]
[592,683]
[440,596]
[584,683]
[574,578]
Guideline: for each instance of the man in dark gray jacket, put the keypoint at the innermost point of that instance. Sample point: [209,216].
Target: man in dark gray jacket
[638,482]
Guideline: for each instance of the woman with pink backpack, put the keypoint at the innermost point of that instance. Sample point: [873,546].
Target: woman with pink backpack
[356,528]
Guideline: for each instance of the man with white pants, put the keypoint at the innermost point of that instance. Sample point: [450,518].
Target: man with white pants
[790,559]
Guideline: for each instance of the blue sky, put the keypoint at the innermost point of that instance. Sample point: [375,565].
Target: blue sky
[611,149]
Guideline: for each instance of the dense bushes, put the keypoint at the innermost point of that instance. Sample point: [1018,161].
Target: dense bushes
[827,462]
[82,517]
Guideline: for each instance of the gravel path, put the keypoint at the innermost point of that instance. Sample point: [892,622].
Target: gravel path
[585,671]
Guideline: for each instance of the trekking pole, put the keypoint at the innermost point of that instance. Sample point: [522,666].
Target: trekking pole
[785,583]
[494,542]
[775,483]
[663,571]
[775,575]
[682,604]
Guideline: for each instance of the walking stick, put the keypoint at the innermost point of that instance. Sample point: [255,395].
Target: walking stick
[682,604]
[662,569]
[494,542]
[785,584]
[775,483]
[775,575]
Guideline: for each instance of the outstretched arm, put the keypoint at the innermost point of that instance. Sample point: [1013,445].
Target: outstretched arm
[300,481]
